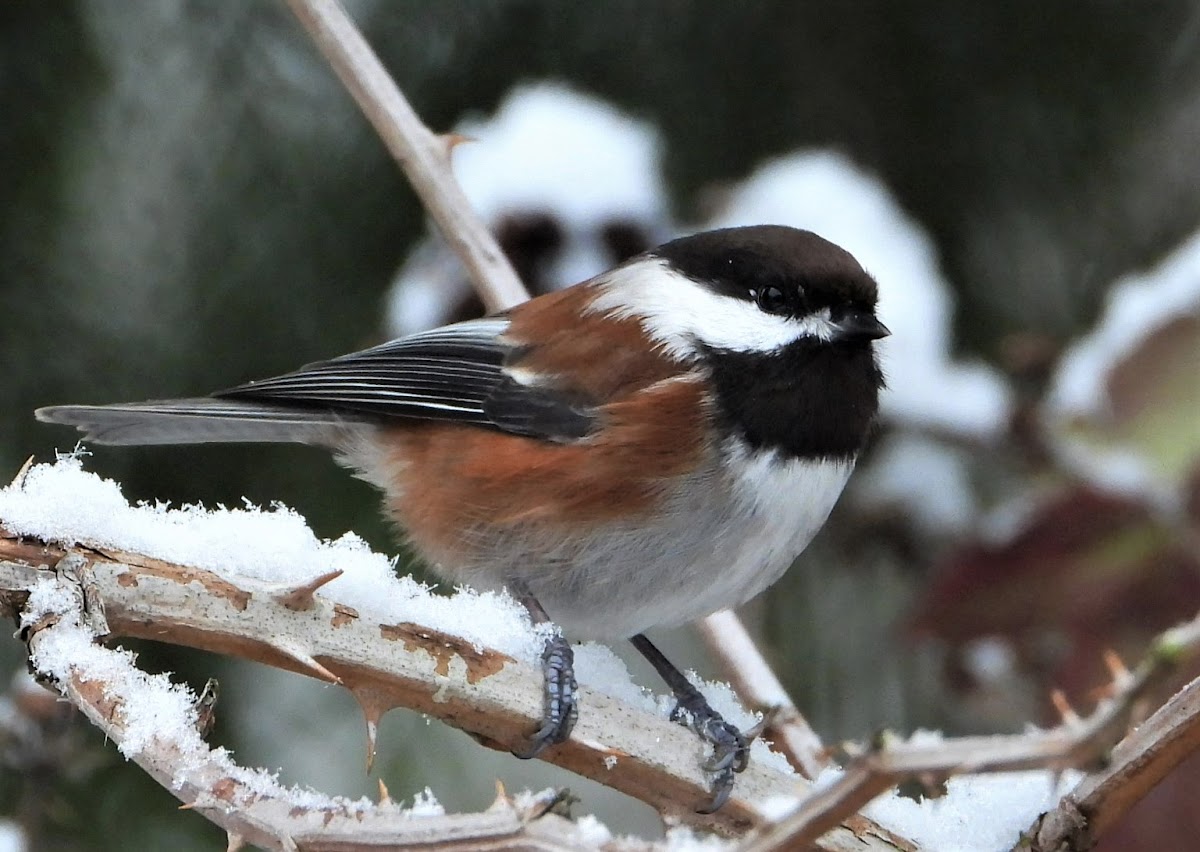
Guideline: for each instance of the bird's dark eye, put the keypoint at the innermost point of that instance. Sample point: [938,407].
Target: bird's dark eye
[772,300]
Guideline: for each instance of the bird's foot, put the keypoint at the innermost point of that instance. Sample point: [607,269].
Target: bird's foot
[561,710]
[731,748]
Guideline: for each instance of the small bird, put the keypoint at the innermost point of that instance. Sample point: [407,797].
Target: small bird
[638,450]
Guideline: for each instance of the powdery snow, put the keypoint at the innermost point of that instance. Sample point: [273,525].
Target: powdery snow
[156,711]
[64,503]
[977,813]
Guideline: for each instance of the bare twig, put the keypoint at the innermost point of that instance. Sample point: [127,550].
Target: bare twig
[424,156]
[1138,764]
[759,689]
[1077,743]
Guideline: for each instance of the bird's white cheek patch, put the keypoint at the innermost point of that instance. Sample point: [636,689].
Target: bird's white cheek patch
[678,313]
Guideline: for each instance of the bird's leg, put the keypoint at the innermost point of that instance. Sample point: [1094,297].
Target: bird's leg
[558,673]
[731,748]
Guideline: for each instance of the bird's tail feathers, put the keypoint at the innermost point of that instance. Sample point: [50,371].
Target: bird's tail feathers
[201,420]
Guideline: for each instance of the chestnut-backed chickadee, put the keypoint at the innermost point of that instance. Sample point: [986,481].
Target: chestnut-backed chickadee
[638,450]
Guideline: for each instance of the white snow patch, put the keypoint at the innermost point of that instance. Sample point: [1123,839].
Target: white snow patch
[600,668]
[425,804]
[921,477]
[550,147]
[66,504]
[683,839]
[591,832]
[12,838]
[548,150]
[990,659]
[154,710]
[1137,305]
[777,808]
[978,813]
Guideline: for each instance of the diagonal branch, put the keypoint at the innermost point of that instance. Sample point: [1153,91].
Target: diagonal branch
[424,156]
[759,689]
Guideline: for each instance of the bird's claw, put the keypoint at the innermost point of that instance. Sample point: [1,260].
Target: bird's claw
[731,748]
[561,710]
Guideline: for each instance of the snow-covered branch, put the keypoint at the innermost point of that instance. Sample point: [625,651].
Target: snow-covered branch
[1124,773]
[384,665]
[155,724]
[1137,764]
[224,581]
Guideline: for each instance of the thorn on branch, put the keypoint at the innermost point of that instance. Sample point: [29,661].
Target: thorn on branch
[373,707]
[1117,669]
[1065,711]
[300,598]
[19,480]
[502,801]
[453,140]
[306,661]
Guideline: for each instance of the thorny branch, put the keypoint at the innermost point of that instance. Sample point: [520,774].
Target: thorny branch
[484,692]
[236,800]
[1136,766]
[1078,742]
[497,698]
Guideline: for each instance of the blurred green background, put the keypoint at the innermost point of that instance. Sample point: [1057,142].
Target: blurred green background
[188,199]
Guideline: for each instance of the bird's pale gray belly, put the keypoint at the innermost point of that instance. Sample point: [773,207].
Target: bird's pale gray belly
[721,539]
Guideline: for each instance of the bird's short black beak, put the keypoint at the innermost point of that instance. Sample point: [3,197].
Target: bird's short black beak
[859,327]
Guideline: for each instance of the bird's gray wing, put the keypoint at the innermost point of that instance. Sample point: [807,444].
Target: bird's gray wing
[453,373]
